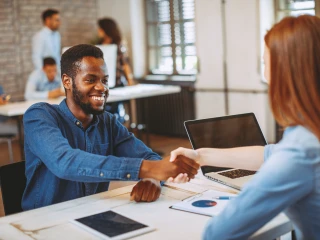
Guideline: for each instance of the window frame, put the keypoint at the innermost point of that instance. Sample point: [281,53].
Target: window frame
[175,75]
[277,10]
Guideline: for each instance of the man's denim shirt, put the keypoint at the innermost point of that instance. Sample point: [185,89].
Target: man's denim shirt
[64,161]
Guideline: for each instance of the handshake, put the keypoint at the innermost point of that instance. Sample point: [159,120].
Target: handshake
[178,168]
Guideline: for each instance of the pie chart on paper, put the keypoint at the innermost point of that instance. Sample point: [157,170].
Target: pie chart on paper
[204,203]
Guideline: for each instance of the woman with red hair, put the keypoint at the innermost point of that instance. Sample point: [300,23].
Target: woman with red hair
[288,178]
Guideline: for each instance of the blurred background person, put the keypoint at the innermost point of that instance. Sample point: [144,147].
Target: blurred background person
[3,97]
[44,83]
[7,126]
[47,42]
[109,33]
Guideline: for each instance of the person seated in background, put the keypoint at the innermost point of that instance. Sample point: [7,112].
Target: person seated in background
[44,83]
[109,33]
[288,177]
[3,97]
[76,148]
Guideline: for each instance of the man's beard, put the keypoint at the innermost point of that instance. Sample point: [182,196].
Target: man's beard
[85,106]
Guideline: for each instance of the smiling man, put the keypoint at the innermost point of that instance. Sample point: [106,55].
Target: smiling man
[76,148]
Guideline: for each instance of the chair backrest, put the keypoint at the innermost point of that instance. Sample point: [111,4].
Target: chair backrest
[13,182]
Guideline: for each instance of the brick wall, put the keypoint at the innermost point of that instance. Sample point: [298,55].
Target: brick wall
[21,19]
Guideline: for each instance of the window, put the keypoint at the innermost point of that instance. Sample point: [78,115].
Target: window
[296,7]
[171,37]
[281,9]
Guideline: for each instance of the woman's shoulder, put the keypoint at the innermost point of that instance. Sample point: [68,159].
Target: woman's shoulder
[300,135]
[299,143]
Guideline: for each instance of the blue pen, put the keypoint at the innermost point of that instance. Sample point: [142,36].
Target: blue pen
[225,197]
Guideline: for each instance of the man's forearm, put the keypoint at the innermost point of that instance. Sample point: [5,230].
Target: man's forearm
[147,169]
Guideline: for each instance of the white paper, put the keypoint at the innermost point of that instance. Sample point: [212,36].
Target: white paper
[204,203]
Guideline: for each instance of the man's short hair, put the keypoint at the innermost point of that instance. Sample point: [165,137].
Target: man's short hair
[48,13]
[70,59]
[49,61]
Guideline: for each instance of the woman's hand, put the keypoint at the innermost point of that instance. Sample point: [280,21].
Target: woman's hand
[189,153]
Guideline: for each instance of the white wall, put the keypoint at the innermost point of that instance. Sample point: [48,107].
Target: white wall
[139,43]
[209,43]
[231,32]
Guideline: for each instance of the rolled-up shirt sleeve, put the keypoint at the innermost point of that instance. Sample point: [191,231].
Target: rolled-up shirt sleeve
[276,186]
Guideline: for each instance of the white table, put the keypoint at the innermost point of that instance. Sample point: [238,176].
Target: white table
[17,109]
[52,222]
[115,95]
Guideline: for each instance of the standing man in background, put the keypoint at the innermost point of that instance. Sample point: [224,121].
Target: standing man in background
[44,83]
[47,42]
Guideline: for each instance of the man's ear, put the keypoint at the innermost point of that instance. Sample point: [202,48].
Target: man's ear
[66,81]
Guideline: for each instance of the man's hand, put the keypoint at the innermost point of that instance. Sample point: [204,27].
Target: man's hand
[55,93]
[164,169]
[147,190]
[189,153]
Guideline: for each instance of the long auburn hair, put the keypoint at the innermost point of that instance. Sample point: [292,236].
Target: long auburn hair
[294,93]
[110,27]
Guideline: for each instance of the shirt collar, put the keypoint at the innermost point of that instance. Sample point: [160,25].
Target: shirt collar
[64,108]
[48,30]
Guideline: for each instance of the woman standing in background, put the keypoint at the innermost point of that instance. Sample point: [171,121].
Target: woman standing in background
[109,33]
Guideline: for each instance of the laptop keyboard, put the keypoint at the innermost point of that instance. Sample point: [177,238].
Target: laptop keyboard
[237,173]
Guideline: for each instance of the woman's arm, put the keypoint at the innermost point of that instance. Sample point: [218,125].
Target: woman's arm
[250,158]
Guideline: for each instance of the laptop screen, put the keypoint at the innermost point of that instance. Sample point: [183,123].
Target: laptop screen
[225,132]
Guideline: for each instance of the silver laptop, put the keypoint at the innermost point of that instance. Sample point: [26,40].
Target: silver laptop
[226,132]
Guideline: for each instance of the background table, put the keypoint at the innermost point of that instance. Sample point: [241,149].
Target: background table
[115,95]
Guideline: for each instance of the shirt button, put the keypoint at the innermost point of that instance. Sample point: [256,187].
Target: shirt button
[128,175]
[101,174]
[78,123]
